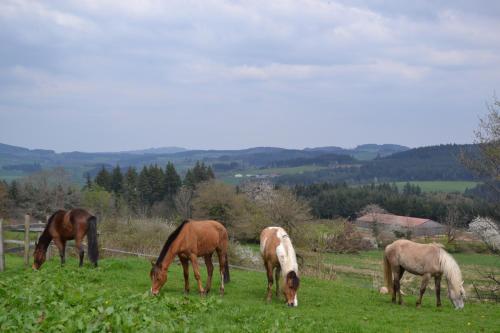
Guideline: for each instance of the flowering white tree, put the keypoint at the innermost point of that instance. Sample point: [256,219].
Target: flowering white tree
[488,230]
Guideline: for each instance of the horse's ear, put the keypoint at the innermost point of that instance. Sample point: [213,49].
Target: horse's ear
[152,262]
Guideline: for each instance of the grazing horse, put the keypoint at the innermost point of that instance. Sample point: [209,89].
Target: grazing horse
[427,260]
[193,239]
[278,253]
[68,225]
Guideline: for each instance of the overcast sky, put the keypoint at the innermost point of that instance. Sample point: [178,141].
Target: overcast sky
[102,75]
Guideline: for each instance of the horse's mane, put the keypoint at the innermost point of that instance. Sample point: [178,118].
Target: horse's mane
[450,269]
[45,237]
[173,236]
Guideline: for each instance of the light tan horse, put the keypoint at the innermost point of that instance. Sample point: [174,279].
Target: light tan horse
[426,260]
[278,253]
[193,239]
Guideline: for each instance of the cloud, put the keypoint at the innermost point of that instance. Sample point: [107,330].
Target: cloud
[217,59]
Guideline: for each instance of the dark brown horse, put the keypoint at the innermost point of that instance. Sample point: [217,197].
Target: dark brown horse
[68,225]
[193,239]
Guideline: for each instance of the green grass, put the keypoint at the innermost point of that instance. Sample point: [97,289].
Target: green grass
[229,177]
[115,297]
[441,186]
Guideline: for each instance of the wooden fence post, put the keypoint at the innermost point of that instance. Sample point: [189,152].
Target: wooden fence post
[2,257]
[26,240]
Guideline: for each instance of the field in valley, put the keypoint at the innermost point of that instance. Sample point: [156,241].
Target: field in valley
[115,297]
[441,186]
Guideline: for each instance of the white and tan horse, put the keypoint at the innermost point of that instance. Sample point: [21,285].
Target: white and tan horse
[426,260]
[277,252]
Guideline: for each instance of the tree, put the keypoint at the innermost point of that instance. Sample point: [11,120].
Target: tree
[116,180]
[283,208]
[4,198]
[172,184]
[198,174]
[14,192]
[98,200]
[451,223]
[103,179]
[156,181]
[130,191]
[144,188]
[488,230]
[44,192]
[486,162]
[88,181]
[373,210]
[183,201]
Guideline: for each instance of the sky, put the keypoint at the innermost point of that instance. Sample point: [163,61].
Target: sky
[102,75]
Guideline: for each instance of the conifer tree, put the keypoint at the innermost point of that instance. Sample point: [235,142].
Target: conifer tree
[116,180]
[103,179]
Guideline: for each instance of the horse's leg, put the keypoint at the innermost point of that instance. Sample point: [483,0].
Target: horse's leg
[398,274]
[423,285]
[437,281]
[395,282]
[63,259]
[277,278]
[222,264]
[196,270]
[401,272]
[269,269]
[185,268]
[60,246]
[210,271]
[79,249]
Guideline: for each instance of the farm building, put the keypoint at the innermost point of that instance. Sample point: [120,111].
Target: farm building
[390,222]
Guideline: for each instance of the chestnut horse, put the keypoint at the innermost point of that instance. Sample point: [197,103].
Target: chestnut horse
[68,225]
[278,253]
[427,260]
[193,239]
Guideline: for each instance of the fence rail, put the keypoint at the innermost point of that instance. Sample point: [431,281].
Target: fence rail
[25,244]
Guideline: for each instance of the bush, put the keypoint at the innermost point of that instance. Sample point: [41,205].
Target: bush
[138,235]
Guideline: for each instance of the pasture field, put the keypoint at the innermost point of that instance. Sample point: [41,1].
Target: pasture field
[115,297]
[230,179]
[441,185]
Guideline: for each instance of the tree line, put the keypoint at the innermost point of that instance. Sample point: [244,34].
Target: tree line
[152,185]
[340,200]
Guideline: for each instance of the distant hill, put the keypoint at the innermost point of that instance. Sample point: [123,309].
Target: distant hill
[363,152]
[156,151]
[425,163]
[359,163]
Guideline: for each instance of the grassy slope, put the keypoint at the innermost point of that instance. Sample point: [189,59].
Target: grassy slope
[114,297]
[441,186]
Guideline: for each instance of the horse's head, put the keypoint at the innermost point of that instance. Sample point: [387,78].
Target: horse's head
[290,289]
[158,278]
[457,295]
[39,257]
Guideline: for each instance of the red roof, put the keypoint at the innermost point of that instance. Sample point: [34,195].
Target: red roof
[404,221]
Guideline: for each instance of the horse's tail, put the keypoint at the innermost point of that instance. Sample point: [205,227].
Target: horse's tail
[93,246]
[387,274]
[227,278]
